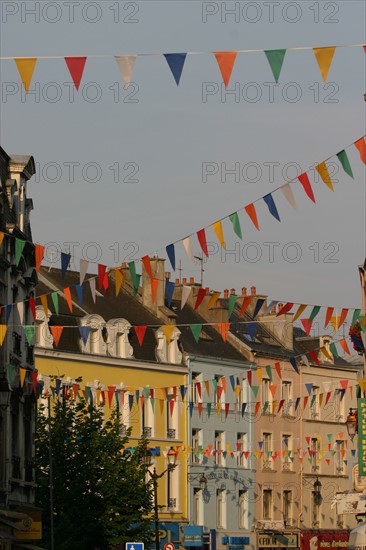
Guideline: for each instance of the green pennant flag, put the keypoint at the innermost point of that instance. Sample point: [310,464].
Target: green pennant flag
[54,297]
[266,404]
[29,334]
[314,312]
[232,300]
[329,436]
[356,316]
[214,383]
[152,401]
[208,410]
[269,372]
[343,159]
[137,283]
[234,218]
[275,59]
[255,390]
[333,349]
[196,331]
[313,400]
[135,278]
[19,247]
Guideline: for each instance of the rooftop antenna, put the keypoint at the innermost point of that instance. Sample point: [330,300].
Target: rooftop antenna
[180,271]
[202,270]
[52,256]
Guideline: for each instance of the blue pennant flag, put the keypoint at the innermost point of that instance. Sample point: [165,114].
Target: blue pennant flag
[191,408]
[58,385]
[84,333]
[9,308]
[243,407]
[258,306]
[171,254]
[252,329]
[176,64]
[294,364]
[79,290]
[268,199]
[169,289]
[65,260]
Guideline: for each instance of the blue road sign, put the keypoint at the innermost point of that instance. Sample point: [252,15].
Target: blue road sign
[134,546]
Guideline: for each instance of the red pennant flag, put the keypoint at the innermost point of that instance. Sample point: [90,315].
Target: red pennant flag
[154,288]
[361,146]
[68,297]
[307,439]
[257,406]
[101,272]
[344,346]
[278,370]
[344,314]
[285,309]
[314,356]
[32,305]
[201,235]
[200,296]
[106,283]
[306,323]
[140,333]
[76,67]
[280,405]
[111,390]
[344,384]
[225,61]
[306,398]
[56,333]
[249,378]
[147,265]
[39,253]
[328,397]
[34,379]
[245,305]
[304,180]
[199,389]
[223,329]
[328,316]
[250,210]
[227,408]
[75,388]
[199,405]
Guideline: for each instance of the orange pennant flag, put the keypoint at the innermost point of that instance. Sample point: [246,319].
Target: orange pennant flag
[56,333]
[223,329]
[154,288]
[334,321]
[361,146]
[324,174]
[324,57]
[218,409]
[278,370]
[3,329]
[1,237]
[226,62]
[39,253]
[217,227]
[250,210]
[215,296]
[328,316]
[22,373]
[343,343]
[245,305]
[223,383]
[67,294]
[168,332]
[119,280]
[147,265]
[207,386]
[26,68]
[44,303]
[343,316]
[299,312]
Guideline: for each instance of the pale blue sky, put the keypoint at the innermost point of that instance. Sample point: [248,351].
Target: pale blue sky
[170,132]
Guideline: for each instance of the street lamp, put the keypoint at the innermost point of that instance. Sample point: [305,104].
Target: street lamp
[352,423]
[203,482]
[317,492]
[172,457]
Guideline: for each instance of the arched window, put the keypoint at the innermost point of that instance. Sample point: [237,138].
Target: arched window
[98,337]
[118,344]
[168,353]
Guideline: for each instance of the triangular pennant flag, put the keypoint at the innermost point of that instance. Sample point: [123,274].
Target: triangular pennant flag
[209,405]
[19,247]
[333,349]
[249,377]
[324,174]
[200,296]
[314,356]
[226,61]
[54,297]
[207,386]
[76,67]
[252,329]
[227,408]
[140,333]
[29,331]
[34,375]
[119,280]
[65,260]
[147,265]
[84,333]
[288,194]
[168,332]
[232,300]
[343,316]
[9,309]
[169,291]
[154,288]
[223,330]
[268,199]
[355,317]
[1,237]
[305,182]
[44,303]
[285,309]
[329,393]
[56,333]
[328,316]
[32,307]
[183,391]
[258,307]
[306,323]
[344,346]
[325,352]
[188,247]
[275,60]
[234,218]
[324,57]
[272,389]
[201,235]
[79,292]
[20,308]
[105,284]
[278,370]
[343,159]
[26,68]
[171,255]
[299,311]
[294,364]
[196,331]
[176,64]
[126,64]
[245,305]
[3,329]
[360,145]
[101,272]
[22,373]
[186,290]
[136,288]
[215,296]
[250,210]
[132,268]
[83,269]
[255,391]
[280,405]
[39,254]
[271,306]
[269,372]
[309,387]
[217,227]
[68,298]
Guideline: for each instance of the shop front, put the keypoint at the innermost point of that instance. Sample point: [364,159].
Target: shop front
[320,540]
[274,540]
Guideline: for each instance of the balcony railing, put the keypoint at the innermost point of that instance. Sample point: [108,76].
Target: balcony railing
[172,503]
[15,467]
[267,465]
[287,466]
[171,433]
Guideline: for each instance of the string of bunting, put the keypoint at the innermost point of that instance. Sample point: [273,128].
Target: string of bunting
[176,61]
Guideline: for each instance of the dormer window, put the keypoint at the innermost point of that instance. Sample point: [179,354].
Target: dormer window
[118,339]
[168,353]
[43,336]
[98,337]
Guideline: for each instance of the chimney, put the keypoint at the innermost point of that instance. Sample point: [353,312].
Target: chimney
[226,293]
[124,265]
[253,290]
[244,291]
[177,281]
[232,291]
[273,311]
[184,280]
[280,306]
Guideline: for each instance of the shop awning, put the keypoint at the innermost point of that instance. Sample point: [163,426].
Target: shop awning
[12,514]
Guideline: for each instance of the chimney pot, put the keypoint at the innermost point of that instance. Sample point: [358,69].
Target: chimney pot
[244,291]
[226,293]
[124,264]
[177,281]
[184,280]
[232,291]
[280,306]
[218,303]
[273,311]
[253,290]
[191,280]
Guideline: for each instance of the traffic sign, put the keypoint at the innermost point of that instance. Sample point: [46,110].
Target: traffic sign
[169,546]
[134,546]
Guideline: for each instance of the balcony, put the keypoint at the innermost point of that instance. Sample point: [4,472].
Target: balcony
[172,503]
[28,467]
[267,465]
[287,466]
[15,467]
[147,431]
[171,433]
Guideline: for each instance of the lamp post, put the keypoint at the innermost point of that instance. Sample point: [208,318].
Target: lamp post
[172,457]
[352,423]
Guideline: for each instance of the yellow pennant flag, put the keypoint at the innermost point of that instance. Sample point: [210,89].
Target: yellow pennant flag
[324,174]
[44,303]
[212,301]
[3,329]
[168,332]
[324,57]
[325,352]
[362,384]
[299,312]
[334,321]
[218,409]
[97,391]
[22,373]
[260,375]
[1,237]
[237,391]
[207,386]
[217,227]
[119,280]
[26,68]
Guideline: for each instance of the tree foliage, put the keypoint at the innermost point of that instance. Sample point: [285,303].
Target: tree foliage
[100,496]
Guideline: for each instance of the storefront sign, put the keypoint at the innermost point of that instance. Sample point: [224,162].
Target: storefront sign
[359,482]
[361,403]
[278,540]
[193,535]
[320,540]
[351,503]
[31,527]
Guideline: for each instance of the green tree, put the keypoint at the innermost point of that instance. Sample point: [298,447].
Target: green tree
[100,496]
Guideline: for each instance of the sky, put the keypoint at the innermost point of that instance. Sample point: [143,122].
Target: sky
[152,162]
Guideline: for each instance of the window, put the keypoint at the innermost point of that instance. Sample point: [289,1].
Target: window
[196,387]
[241,395]
[98,339]
[339,453]
[197,507]
[286,395]
[219,448]
[286,452]
[287,507]
[241,445]
[339,405]
[172,480]
[315,460]
[172,415]
[267,451]
[147,418]
[219,395]
[243,509]
[314,403]
[118,344]
[220,509]
[168,353]
[267,504]
[266,395]
[196,444]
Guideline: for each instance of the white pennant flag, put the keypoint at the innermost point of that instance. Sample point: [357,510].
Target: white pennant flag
[92,288]
[186,290]
[288,194]
[269,308]
[126,64]
[20,307]
[188,247]
[83,269]
[305,360]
